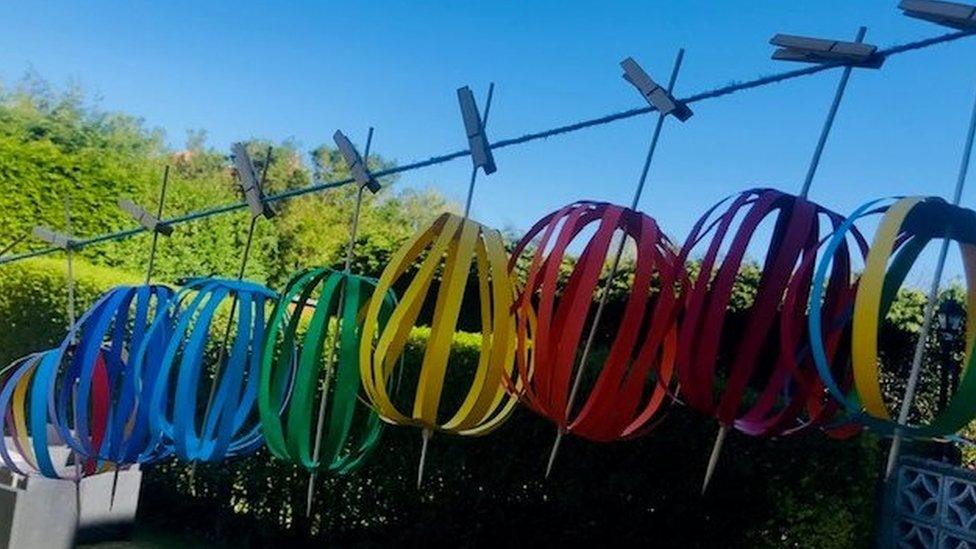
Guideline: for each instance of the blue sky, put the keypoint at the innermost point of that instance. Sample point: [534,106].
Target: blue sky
[303,69]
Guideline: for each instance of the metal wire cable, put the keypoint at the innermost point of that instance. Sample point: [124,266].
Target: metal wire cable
[444,158]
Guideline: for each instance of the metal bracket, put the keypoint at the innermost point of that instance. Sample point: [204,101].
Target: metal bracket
[949,14]
[144,218]
[655,95]
[818,50]
[54,238]
[357,166]
[250,183]
[475,130]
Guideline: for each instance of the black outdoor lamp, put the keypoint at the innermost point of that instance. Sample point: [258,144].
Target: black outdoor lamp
[950,317]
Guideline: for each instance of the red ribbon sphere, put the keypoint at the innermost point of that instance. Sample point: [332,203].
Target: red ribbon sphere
[757,374]
[633,381]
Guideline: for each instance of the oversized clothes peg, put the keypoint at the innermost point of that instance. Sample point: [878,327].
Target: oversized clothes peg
[451,245]
[553,352]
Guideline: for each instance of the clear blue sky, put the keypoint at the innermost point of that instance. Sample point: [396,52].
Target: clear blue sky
[302,69]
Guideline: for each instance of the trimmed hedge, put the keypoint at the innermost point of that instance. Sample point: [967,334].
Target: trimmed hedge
[34,301]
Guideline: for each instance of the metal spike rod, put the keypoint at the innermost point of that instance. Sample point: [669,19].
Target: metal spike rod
[723,431]
[930,306]
[663,100]
[812,47]
[425,435]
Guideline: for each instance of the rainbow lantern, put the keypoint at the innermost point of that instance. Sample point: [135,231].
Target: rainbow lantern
[451,244]
[19,399]
[906,227]
[86,388]
[767,349]
[622,402]
[635,379]
[289,384]
[448,247]
[177,403]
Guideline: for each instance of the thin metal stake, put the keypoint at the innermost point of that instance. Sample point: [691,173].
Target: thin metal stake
[829,122]
[149,272]
[906,403]
[804,191]
[425,435]
[615,265]
[71,323]
[354,226]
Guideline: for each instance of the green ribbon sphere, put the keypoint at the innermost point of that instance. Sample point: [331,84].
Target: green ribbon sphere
[294,357]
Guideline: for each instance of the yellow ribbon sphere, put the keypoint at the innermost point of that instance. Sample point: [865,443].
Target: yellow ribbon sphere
[449,245]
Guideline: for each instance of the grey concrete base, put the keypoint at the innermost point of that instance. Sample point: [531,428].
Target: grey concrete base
[41,513]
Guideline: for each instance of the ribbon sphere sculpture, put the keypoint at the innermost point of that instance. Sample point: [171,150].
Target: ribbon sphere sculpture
[906,227]
[638,372]
[450,245]
[88,390]
[766,351]
[294,356]
[180,413]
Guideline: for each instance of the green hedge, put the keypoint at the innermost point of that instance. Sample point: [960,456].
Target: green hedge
[34,301]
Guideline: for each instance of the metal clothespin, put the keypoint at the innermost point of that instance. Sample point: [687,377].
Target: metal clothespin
[818,50]
[54,238]
[357,166]
[250,183]
[949,14]
[656,95]
[144,218]
[475,129]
